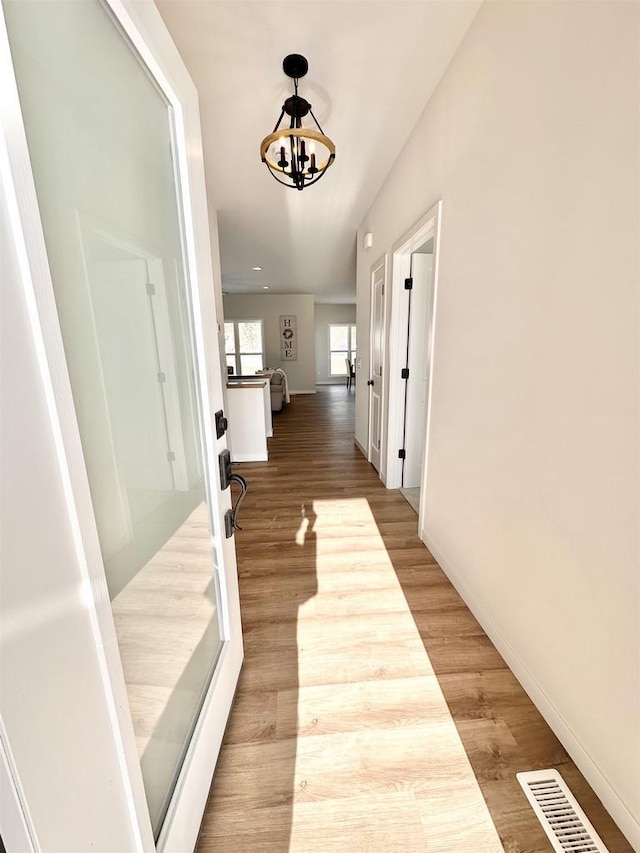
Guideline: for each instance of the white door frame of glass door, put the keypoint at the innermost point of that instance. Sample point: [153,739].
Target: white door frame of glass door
[123,812]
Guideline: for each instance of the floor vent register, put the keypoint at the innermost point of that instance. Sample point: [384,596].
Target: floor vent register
[563,820]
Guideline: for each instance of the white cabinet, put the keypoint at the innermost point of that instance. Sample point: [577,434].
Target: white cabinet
[249,404]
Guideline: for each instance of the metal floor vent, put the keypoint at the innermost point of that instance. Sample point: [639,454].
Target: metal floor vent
[561,817]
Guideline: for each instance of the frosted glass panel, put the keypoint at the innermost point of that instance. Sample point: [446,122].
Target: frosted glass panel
[100,139]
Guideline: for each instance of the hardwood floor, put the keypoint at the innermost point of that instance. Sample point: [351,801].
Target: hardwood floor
[373,714]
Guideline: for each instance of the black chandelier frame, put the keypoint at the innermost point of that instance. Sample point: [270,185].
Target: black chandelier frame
[295,137]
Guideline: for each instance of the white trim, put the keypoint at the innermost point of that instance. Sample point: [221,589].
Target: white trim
[143,27]
[38,290]
[424,229]
[381,263]
[422,507]
[620,813]
[349,350]
[360,447]
[250,457]
[295,393]
[182,824]
[237,355]
[16,827]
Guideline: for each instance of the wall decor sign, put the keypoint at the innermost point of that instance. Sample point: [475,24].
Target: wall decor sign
[288,338]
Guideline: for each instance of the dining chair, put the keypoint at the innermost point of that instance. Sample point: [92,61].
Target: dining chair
[351,373]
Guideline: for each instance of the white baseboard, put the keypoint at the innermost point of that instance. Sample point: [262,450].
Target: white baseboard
[332,382]
[626,822]
[361,448]
[249,457]
[293,393]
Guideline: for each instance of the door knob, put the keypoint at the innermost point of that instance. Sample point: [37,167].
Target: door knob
[370,382]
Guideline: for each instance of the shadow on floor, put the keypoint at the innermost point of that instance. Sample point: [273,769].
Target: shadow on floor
[256,770]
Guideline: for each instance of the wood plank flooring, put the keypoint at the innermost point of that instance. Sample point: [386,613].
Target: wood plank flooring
[373,714]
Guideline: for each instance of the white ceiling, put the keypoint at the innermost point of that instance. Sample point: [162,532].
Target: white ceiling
[373,66]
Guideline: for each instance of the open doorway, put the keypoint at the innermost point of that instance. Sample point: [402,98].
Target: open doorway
[411,333]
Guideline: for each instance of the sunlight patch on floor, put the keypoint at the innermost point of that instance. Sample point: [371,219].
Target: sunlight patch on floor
[378,755]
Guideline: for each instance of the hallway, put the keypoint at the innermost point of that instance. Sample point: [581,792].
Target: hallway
[372,713]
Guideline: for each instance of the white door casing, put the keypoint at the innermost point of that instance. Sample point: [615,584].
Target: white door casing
[376,364]
[427,227]
[40,726]
[417,384]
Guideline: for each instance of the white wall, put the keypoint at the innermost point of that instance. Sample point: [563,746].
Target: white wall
[329,313]
[531,140]
[300,373]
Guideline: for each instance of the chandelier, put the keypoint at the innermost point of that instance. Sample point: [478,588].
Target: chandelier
[297,156]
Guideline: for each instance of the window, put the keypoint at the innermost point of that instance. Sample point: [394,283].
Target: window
[244,346]
[342,346]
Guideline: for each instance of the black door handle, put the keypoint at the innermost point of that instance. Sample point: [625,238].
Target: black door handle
[243,492]
[231,515]
[370,382]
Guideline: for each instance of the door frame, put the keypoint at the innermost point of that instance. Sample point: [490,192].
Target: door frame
[426,227]
[417,362]
[381,263]
[142,26]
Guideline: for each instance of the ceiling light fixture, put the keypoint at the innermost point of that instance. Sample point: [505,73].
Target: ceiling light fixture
[257,269]
[265,287]
[288,150]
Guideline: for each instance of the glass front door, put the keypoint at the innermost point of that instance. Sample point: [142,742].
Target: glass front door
[100,139]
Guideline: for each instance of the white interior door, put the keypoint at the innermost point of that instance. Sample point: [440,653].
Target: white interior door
[376,363]
[152,577]
[422,239]
[417,363]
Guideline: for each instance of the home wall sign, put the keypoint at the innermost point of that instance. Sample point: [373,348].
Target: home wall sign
[288,338]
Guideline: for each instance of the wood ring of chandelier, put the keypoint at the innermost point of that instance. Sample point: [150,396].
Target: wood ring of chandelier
[305,133]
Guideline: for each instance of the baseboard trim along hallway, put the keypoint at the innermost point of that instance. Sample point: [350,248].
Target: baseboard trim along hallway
[373,713]
[555,719]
